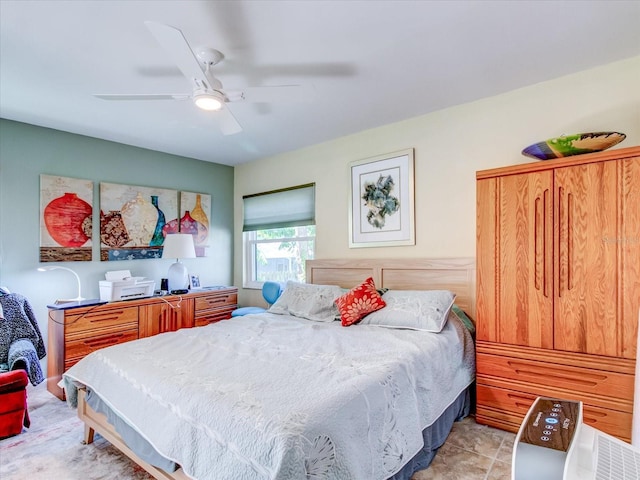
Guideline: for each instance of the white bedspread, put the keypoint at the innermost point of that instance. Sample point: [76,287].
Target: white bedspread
[277,397]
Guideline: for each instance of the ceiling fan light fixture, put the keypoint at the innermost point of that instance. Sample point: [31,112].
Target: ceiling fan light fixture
[210,101]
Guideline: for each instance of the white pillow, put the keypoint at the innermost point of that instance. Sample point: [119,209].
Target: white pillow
[313,302]
[426,310]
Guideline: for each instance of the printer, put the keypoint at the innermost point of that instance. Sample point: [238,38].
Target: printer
[120,285]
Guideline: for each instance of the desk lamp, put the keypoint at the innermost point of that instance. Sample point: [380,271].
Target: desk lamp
[79,298]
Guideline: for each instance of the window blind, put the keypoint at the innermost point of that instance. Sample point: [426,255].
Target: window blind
[288,207]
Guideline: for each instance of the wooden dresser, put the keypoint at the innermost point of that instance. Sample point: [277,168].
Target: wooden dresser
[558,287]
[76,332]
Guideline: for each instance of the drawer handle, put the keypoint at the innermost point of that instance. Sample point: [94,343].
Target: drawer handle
[523,369]
[103,341]
[520,397]
[218,300]
[109,314]
[104,319]
[590,420]
[595,414]
[521,401]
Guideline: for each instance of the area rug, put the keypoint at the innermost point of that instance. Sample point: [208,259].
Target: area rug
[52,448]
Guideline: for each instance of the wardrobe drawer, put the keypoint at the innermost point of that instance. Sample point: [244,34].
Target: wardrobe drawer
[510,400]
[81,347]
[594,382]
[102,318]
[514,405]
[500,419]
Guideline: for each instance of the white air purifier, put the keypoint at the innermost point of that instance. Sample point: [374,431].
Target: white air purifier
[553,443]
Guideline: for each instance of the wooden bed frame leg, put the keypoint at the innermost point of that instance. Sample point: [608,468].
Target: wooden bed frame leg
[97,422]
[88,435]
[89,431]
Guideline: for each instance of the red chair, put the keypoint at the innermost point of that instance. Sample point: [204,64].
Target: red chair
[13,403]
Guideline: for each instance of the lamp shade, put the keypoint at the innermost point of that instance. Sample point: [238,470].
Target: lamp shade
[179,245]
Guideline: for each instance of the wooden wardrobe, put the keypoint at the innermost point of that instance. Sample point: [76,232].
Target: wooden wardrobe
[558,287]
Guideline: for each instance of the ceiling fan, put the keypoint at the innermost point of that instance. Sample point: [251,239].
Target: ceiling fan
[207,91]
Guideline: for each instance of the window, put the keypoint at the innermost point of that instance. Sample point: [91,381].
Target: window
[278,235]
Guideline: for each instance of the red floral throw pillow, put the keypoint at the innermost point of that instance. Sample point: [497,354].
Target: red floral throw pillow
[359,302]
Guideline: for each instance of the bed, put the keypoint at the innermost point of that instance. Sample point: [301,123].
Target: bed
[283,396]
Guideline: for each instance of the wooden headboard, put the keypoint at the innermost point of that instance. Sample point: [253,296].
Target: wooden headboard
[455,274]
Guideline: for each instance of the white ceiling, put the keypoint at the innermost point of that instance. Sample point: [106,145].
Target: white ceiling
[369,63]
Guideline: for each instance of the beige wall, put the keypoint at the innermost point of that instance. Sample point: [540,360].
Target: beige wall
[450,146]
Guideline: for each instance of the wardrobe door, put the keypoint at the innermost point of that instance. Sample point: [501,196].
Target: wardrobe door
[586,275]
[628,244]
[523,249]
[486,318]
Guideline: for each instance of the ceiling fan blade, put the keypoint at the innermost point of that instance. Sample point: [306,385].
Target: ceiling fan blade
[228,123]
[143,96]
[275,94]
[174,42]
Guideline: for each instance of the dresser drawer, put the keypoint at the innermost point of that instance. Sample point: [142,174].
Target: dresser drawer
[580,380]
[215,307]
[101,318]
[510,407]
[213,315]
[216,300]
[81,347]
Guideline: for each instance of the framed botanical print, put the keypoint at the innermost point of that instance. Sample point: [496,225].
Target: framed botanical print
[381,210]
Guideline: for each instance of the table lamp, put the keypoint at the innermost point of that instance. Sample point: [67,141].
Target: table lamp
[79,298]
[178,245]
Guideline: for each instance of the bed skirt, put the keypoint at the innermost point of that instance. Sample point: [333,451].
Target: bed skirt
[435,435]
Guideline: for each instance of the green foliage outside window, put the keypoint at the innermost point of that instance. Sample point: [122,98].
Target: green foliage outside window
[296,247]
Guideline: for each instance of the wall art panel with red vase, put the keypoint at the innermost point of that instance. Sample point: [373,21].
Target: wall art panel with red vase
[195,215]
[66,213]
[134,221]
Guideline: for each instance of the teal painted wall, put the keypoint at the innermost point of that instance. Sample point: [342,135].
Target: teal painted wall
[26,151]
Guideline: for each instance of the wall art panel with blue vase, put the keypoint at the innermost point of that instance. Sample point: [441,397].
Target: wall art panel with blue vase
[134,220]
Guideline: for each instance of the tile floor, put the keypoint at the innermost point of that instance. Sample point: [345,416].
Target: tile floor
[472,452]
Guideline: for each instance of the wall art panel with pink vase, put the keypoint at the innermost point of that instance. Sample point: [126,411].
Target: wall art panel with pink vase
[134,220]
[195,215]
[66,208]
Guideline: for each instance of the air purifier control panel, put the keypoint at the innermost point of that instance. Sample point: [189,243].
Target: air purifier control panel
[551,423]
